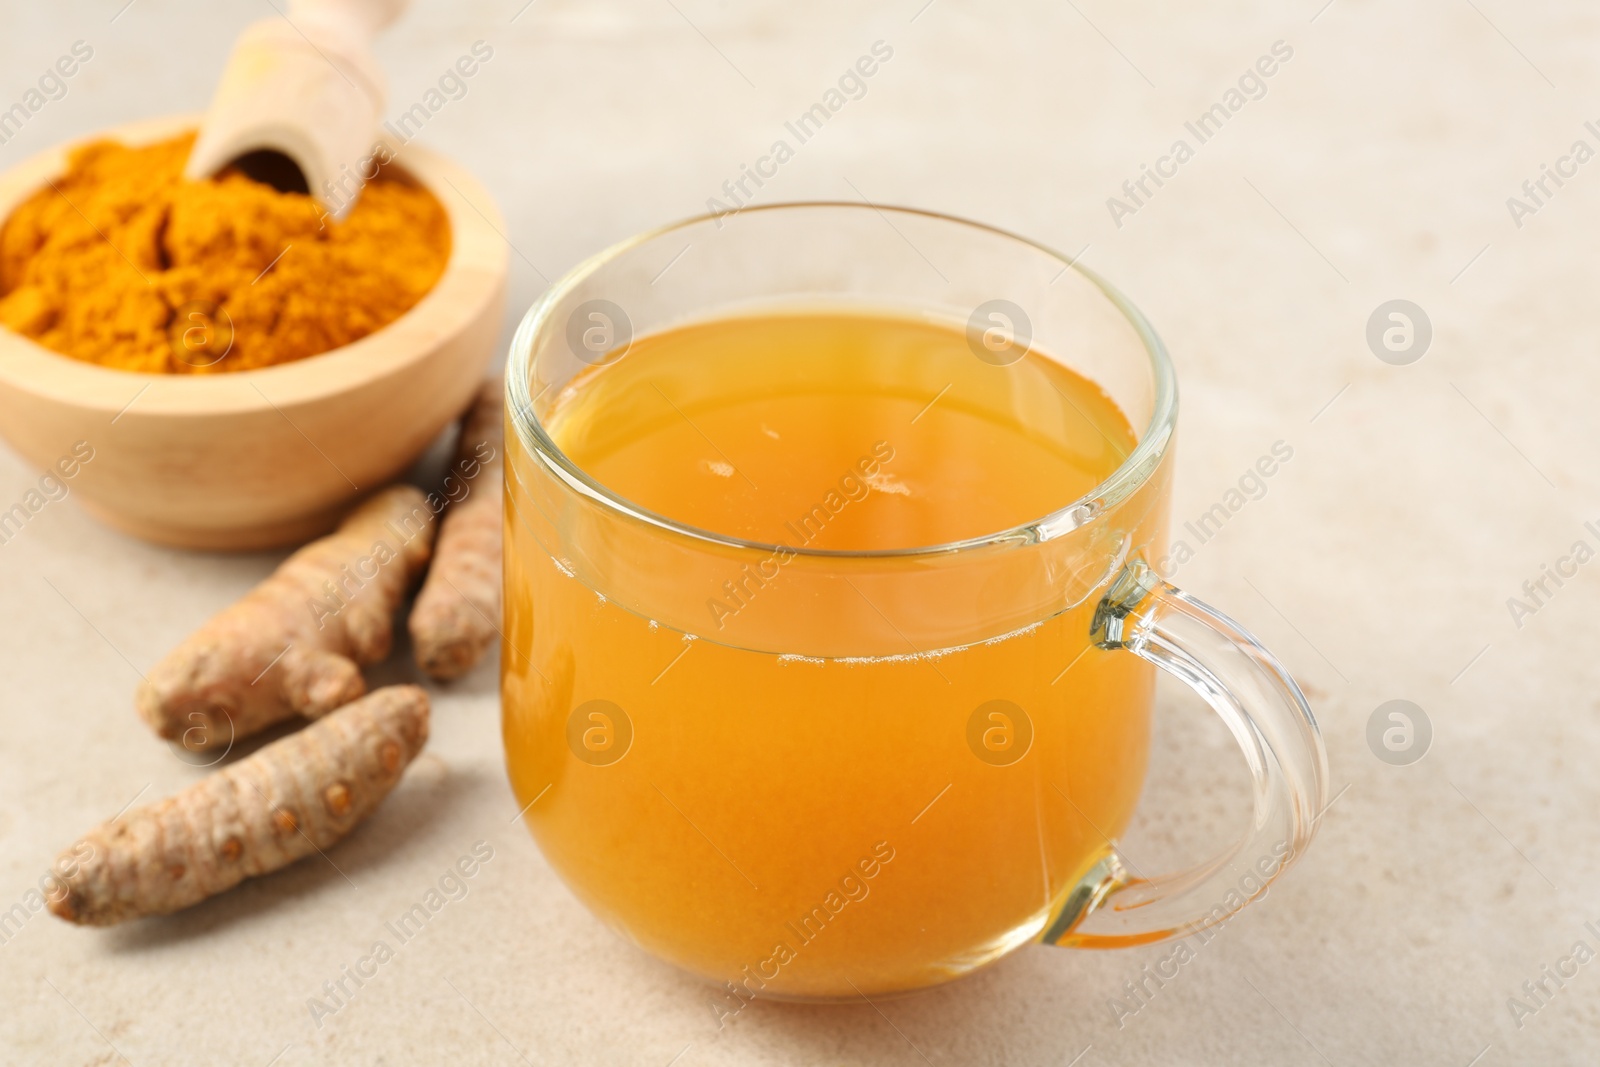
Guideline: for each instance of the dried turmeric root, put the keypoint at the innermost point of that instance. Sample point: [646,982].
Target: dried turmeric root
[294,645]
[293,797]
[457,614]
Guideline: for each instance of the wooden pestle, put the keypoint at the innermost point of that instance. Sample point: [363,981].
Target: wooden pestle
[300,100]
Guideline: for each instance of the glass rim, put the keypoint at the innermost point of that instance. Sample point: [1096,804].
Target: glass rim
[1117,486]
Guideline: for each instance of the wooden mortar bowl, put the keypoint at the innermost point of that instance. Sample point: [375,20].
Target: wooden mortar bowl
[271,457]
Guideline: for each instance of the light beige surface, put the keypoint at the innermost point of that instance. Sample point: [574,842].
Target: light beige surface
[1378,565]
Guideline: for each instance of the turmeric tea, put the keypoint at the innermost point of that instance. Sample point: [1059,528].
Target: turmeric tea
[121,262]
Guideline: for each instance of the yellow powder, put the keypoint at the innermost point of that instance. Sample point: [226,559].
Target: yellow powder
[121,262]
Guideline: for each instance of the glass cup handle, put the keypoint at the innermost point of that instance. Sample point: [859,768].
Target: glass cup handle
[1266,713]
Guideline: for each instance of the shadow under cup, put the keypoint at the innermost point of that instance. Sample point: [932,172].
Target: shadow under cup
[887,768]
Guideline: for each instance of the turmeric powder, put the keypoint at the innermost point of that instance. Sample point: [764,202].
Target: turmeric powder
[121,262]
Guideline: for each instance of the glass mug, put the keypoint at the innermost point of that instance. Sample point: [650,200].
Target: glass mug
[889,767]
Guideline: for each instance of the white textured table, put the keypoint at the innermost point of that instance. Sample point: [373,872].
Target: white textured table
[1376,166]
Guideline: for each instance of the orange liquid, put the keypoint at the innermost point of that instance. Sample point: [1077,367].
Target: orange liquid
[795,823]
